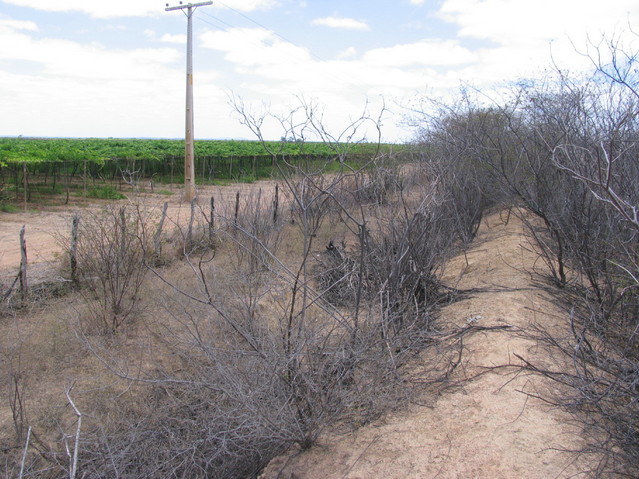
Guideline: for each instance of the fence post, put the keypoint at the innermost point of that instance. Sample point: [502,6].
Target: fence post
[24,285]
[276,203]
[156,238]
[237,207]
[73,259]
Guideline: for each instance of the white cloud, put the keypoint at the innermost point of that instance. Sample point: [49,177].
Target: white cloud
[417,2]
[127,8]
[71,87]
[272,68]
[68,107]
[98,9]
[522,21]
[168,38]
[426,52]
[528,36]
[249,5]
[71,59]
[348,53]
[63,58]
[344,23]
[9,25]
[254,46]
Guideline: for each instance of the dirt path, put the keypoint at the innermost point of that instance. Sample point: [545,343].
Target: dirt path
[486,429]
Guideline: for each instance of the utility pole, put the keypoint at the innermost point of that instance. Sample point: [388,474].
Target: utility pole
[189,156]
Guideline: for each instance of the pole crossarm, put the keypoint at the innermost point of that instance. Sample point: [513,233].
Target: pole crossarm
[188,5]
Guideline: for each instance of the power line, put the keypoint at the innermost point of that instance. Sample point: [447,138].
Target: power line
[332,75]
[268,29]
[200,19]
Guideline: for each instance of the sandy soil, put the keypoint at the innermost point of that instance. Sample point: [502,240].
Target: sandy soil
[488,427]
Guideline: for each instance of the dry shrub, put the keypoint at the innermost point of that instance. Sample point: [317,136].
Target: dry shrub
[112,245]
[600,391]
[253,354]
[377,182]
[566,150]
[261,357]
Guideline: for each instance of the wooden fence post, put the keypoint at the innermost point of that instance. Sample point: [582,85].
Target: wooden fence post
[24,285]
[276,203]
[237,207]
[73,258]
[156,238]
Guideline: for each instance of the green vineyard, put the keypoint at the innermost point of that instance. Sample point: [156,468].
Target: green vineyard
[33,166]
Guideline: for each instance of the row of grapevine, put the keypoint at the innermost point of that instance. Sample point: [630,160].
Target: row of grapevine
[43,150]
[61,164]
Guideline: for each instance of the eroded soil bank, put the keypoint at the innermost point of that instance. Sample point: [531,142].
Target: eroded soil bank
[489,425]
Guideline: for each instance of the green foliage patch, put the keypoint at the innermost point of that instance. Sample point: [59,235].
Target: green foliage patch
[106,192]
[8,208]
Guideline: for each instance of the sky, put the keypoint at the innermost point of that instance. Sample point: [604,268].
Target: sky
[116,68]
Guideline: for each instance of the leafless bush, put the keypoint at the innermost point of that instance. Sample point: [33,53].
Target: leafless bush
[194,236]
[252,240]
[110,252]
[604,163]
[15,391]
[337,275]
[258,356]
[396,257]
[458,147]
[407,253]
[17,442]
[377,182]
[600,391]
[566,150]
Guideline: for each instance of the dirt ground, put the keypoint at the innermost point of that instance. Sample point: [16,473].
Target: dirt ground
[487,428]
[45,226]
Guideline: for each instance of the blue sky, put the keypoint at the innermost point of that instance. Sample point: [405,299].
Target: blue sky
[116,68]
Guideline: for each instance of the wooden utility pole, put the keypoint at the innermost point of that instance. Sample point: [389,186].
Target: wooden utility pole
[189,156]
